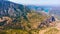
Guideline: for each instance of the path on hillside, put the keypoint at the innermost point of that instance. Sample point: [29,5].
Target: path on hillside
[58,25]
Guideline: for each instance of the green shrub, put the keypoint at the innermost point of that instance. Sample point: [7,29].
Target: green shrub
[3,32]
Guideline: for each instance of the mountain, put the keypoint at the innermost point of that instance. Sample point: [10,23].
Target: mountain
[12,12]
[11,9]
[18,16]
[21,19]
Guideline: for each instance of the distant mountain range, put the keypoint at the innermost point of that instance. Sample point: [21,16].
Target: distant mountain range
[49,9]
[55,12]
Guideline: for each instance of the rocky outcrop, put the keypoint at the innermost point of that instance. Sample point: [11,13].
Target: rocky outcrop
[48,22]
[5,21]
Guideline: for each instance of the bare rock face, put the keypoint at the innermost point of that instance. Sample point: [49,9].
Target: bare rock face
[8,19]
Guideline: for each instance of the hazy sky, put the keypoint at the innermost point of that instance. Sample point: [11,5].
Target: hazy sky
[38,2]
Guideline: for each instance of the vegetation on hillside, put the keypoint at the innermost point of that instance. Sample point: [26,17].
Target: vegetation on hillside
[52,31]
[28,26]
